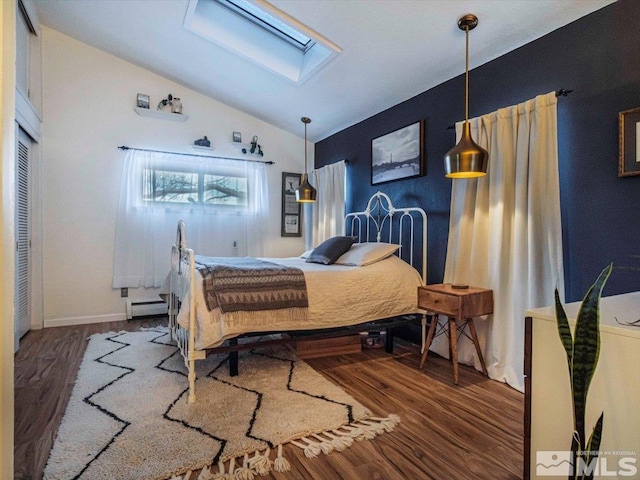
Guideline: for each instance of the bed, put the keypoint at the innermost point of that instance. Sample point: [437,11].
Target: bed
[372,285]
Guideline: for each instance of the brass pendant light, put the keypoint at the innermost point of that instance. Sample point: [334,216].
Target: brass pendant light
[467,159]
[305,193]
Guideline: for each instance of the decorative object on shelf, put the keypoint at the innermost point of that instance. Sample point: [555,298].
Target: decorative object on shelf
[467,159]
[237,137]
[290,224]
[398,155]
[142,101]
[255,149]
[629,143]
[305,193]
[202,142]
[583,349]
[175,105]
[164,102]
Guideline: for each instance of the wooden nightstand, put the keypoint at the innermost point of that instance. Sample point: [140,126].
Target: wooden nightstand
[460,306]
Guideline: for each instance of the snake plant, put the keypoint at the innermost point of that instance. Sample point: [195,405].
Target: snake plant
[583,349]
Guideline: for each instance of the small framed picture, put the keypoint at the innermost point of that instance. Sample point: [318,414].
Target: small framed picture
[237,137]
[143,101]
[291,225]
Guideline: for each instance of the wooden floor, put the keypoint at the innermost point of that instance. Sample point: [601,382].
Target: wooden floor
[472,431]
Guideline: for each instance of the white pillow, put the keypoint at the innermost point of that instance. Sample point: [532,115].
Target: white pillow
[361,254]
[306,254]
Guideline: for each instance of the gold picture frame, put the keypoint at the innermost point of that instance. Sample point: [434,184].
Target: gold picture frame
[629,164]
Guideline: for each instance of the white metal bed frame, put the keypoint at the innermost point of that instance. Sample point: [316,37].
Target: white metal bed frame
[377,220]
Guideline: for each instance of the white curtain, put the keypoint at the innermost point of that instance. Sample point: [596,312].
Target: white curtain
[329,208]
[223,203]
[505,231]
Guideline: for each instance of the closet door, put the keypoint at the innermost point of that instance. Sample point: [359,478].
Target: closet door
[23,237]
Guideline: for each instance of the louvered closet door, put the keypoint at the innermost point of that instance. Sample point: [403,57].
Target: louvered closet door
[23,242]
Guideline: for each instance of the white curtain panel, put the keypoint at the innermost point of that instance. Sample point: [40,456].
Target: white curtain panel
[329,208]
[146,230]
[505,231]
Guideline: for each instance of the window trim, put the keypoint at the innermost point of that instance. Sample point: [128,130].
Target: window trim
[269,22]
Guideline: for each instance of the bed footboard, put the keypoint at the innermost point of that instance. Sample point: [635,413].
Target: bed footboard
[182,276]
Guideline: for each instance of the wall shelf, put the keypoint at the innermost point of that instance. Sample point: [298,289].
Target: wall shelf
[174,117]
[199,147]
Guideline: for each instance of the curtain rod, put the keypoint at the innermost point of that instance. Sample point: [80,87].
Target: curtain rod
[563,92]
[123,147]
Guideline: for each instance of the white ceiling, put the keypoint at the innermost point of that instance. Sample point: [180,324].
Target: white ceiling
[392,50]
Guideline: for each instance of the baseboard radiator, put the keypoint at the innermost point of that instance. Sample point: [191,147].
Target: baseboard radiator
[145,308]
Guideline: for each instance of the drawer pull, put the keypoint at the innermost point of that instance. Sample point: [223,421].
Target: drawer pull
[436,301]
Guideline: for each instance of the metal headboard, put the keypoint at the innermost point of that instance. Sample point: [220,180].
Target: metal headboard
[382,222]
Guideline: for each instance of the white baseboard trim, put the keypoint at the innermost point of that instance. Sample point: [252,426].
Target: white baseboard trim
[65,322]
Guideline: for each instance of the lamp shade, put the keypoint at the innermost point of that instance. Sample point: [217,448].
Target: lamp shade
[467,159]
[305,193]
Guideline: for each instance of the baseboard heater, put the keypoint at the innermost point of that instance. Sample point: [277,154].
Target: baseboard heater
[145,308]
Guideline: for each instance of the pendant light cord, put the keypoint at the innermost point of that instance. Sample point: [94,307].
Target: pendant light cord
[466,83]
[305,147]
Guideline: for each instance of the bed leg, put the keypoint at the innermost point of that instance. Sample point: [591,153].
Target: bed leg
[192,381]
[233,359]
[388,346]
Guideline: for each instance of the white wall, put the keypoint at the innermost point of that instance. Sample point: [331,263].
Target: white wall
[7,234]
[88,110]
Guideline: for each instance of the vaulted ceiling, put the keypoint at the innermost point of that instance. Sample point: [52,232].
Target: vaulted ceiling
[392,50]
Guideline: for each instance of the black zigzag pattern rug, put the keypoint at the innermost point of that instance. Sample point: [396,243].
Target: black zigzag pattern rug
[128,416]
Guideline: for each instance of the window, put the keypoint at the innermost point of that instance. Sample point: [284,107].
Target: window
[28,55]
[23,53]
[202,188]
[223,202]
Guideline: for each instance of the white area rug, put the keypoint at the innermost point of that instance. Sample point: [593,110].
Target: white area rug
[128,416]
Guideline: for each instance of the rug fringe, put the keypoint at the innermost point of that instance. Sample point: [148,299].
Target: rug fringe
[260,464]
[342,438]
[281,464]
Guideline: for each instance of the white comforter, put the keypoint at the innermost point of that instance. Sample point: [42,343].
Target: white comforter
[338,296]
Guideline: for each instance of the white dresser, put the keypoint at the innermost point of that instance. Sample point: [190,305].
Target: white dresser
[615,388]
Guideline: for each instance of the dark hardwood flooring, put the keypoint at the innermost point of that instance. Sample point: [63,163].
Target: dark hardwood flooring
[472,431]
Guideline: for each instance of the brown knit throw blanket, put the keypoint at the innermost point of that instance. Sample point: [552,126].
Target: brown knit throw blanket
[250,284]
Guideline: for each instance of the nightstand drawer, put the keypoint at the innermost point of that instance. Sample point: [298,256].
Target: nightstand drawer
[437,302]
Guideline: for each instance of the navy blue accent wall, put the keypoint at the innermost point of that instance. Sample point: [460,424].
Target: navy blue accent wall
[598,57]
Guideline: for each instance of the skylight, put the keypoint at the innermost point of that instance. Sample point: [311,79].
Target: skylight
[259,32]
[265,20]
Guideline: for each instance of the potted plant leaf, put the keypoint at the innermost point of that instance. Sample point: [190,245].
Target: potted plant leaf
[582,349]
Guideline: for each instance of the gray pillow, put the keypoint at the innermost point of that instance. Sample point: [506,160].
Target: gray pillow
[330,250]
